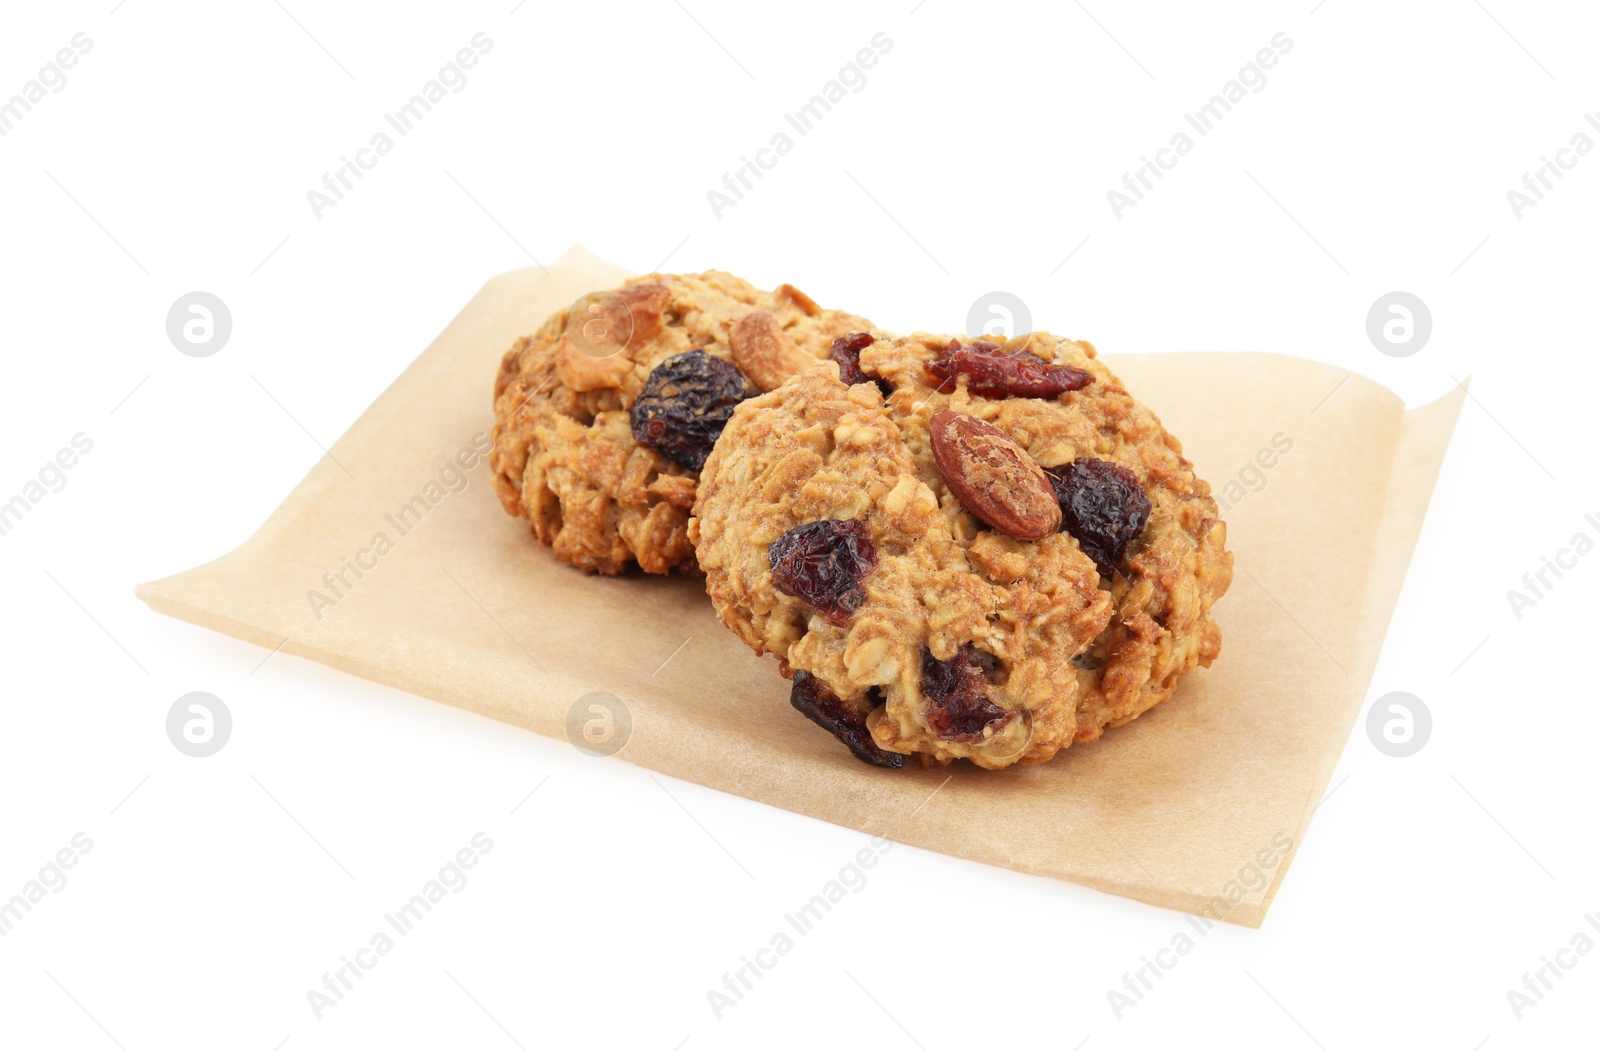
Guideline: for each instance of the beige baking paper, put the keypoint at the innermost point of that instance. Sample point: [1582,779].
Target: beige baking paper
[1197,806]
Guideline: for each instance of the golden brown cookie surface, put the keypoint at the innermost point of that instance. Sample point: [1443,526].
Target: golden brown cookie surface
[889,546]
[565,453]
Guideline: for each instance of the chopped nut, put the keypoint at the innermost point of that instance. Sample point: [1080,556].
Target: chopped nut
[764,352]
[807,305]
[993,477]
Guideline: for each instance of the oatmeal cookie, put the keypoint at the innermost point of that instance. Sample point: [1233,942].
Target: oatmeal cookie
[604,415]
[962,550]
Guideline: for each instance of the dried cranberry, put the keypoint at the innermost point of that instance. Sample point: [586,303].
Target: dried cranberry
[1103,506]
[846,350]
[958,707]
[824,563]
[993,373]
[822,706]
[684,405]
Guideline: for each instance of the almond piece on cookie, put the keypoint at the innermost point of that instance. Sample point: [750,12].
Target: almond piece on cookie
[993,477]
[764,352]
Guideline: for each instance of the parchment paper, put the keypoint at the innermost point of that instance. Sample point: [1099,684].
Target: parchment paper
[1198,805]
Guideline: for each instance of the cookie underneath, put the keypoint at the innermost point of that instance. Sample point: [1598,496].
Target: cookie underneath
[566,456]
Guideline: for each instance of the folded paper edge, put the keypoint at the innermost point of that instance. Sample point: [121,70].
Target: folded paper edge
[1380,597]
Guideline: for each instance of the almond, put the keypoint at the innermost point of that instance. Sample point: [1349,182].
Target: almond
[807,305]
[764,352]
[993,477]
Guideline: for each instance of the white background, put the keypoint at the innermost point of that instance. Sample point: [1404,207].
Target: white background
[977,157]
